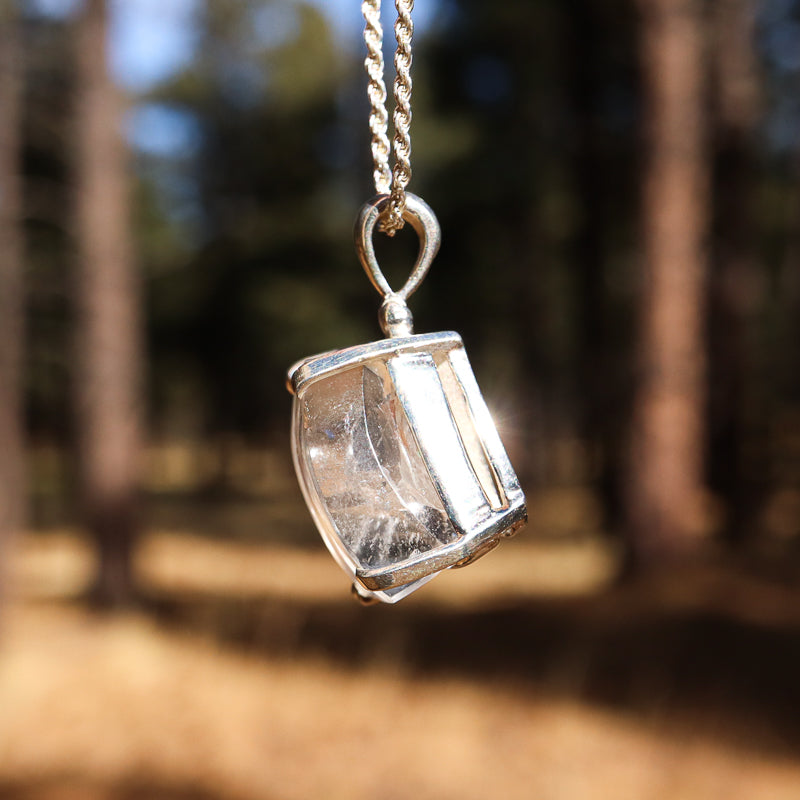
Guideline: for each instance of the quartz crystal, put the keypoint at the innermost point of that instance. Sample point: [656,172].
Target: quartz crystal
[366,467]
[399,461]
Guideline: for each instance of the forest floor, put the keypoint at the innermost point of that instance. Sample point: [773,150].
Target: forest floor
[250,674]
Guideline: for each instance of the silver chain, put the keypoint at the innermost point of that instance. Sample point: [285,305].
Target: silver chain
[392,182]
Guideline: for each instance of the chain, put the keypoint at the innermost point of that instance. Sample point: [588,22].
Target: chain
[376,90]
[392,182]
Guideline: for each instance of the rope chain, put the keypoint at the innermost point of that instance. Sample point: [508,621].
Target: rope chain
[376,90]
[394,181]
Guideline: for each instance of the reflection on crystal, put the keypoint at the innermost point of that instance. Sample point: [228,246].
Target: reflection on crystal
[367,468]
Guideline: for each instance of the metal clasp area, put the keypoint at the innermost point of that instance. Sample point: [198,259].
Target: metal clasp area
[394,316]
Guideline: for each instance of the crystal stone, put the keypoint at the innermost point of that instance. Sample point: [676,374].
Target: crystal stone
[366,466]
[399,461]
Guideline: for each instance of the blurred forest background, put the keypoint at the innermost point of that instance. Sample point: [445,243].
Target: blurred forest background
[618,183]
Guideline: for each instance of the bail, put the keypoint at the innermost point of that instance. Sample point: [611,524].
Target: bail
[395,318]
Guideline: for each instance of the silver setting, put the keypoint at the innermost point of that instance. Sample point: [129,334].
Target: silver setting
[455,436]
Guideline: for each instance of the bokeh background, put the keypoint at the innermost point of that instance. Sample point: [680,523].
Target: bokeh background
[618,184]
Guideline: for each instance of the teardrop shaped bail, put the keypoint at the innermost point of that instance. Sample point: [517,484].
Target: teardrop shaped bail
[394,320]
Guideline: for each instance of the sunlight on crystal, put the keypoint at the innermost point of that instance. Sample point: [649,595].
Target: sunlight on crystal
[508,421]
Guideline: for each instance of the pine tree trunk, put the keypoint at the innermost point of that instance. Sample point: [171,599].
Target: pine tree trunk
[12,301]
[665,482]
[107,296]
[733,286]
[599,397]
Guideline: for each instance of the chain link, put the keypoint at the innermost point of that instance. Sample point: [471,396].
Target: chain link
[394,181]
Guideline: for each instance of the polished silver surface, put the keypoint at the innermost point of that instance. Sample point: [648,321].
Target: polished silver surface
[314,367]
[451,434]
[395,318]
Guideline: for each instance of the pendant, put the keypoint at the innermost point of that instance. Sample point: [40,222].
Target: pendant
[395,450]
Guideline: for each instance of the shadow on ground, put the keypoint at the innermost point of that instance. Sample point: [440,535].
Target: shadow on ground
[694,667]
[67,789]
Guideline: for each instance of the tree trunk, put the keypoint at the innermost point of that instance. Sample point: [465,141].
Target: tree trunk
[107,384]
[600,396]
[665,482]
[734,295]
[12,301]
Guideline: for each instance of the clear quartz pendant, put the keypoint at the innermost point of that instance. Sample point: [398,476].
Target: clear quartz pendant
[398,457]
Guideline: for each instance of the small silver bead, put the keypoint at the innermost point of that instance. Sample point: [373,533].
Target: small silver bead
[395,317]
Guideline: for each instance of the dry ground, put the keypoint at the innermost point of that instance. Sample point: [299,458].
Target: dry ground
[250,674]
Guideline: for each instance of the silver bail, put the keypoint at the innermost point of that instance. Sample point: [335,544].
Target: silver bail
[395,317]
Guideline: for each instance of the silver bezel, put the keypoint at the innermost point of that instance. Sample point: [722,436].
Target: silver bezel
[410,360]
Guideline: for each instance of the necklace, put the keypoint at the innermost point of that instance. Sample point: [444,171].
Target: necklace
[394,447]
